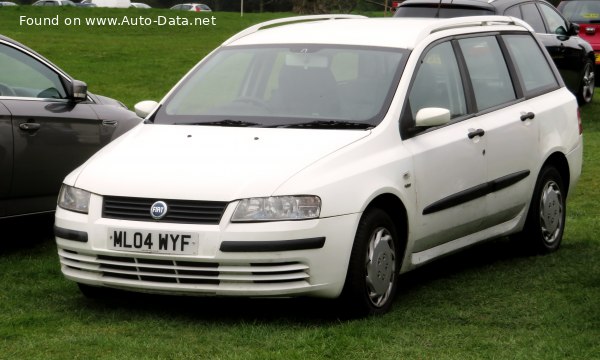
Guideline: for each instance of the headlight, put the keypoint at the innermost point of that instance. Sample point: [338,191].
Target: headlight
[74,199]
[277,208]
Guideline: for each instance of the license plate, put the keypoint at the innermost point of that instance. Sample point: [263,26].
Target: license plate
[156,242]
[597,58]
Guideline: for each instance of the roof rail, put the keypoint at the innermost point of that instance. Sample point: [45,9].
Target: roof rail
[289,20]
[456,23]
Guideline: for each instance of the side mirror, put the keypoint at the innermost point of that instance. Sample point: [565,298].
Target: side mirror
[574,29]
[79,90]
[428,117]
[144,108]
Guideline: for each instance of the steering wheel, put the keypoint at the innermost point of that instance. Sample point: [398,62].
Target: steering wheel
[6,91]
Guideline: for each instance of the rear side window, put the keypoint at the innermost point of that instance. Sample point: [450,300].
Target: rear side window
[532,66]
[491,80]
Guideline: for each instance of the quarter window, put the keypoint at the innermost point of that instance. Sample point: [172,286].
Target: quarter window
[489,74]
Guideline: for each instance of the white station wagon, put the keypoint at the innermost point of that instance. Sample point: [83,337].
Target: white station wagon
[326,155]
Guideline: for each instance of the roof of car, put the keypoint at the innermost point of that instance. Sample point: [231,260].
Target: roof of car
[383,32]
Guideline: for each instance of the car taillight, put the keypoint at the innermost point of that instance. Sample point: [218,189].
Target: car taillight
[579,121]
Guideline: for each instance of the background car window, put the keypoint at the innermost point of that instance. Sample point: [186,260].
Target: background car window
[533,68]
[24,76]
[488,71]
[514,11]
[532,16]
[556,24]
[438,83]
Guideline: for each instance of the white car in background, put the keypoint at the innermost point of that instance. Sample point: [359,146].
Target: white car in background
[140,5]
[322,157]
[191,7]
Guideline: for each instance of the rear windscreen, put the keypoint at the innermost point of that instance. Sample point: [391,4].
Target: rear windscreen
[581,11]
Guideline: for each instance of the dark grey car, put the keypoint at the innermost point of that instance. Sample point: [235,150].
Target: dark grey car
[49,125]
[573,56]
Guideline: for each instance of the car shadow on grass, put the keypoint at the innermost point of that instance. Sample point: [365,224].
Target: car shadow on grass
[25,233]
[301,310]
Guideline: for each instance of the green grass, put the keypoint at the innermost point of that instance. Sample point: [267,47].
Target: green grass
[489,302]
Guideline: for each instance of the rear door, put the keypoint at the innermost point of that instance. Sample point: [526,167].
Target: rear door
[511,129]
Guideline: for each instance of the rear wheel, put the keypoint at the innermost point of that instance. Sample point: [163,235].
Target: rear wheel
[374,264]
[546,218]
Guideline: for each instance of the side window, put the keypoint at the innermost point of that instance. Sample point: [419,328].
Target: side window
[489,74]
[438,83]
[556,24]
[532,16]
[24,76]
[532,65]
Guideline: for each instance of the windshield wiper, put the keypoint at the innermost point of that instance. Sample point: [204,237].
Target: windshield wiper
[226,122]
[328,124]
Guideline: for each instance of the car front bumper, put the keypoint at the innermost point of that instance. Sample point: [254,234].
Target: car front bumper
[285,258]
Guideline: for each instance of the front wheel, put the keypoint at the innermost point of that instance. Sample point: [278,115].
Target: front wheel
[587,84]
[545,222]
[374,265]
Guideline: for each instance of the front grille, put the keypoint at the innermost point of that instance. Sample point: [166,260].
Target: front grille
[142,270]
[180,211]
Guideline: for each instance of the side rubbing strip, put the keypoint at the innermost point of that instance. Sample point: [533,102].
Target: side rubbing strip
[476,192]
[263,246]
[70,234]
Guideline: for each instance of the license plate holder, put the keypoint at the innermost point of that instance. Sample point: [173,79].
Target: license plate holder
[153,241]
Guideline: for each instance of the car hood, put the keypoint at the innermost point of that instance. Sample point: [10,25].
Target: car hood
[207,162]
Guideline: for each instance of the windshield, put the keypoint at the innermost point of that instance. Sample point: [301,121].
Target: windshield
[581,11]
[283,85]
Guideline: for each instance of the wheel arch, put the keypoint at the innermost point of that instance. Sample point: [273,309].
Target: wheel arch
[559,161]
[395,208]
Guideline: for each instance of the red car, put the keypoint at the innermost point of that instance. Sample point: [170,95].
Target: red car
[586,13]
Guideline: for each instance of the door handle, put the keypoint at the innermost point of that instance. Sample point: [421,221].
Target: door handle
[473,133]
[110,122]
[527,116]
[30,127]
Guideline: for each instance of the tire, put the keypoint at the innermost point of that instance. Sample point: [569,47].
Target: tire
[585,95]
[371,280]
[545,222]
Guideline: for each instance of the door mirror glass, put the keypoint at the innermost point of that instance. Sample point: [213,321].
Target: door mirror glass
[79,91]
